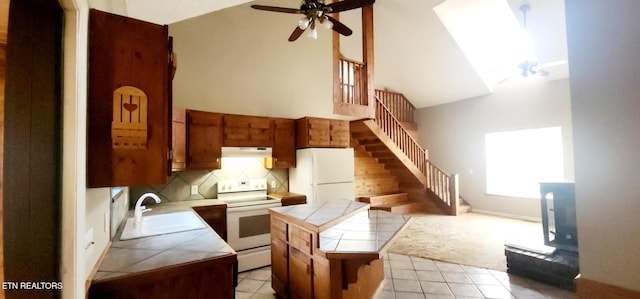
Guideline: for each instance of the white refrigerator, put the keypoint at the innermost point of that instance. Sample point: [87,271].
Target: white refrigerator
[323,174]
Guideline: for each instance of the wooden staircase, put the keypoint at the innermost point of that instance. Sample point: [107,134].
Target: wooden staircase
[390,163]
[382,179]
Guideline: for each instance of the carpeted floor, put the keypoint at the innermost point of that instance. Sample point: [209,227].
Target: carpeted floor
[470,239]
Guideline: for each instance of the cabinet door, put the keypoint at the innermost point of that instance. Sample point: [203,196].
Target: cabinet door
[279,267]
[204,140]
[243,130]
[128,102]
[284,144]
[179,142]
[339,131]
[300,274]
[315,132]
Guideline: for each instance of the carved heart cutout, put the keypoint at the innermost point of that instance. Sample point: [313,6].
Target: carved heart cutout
[130,107]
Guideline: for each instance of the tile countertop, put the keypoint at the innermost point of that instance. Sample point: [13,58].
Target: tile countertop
[365,232]
[320,216]
[155,252]
[347,227]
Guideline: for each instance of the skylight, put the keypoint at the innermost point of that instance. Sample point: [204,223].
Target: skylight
[489,34]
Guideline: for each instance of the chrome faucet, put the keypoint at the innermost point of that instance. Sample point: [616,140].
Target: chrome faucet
[139,209]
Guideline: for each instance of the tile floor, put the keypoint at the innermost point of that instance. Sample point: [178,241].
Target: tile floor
[408,277]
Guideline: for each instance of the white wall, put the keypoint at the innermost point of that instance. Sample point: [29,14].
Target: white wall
[73,273]
[82,208]
[454,134]
[604,42]
[238,60]
[98,203]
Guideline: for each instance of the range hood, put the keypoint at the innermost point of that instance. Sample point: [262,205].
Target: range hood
[263,152]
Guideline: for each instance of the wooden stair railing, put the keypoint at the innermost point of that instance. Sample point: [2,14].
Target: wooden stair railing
[391,110]
[405,142]
[445,187]
[398,104]
[353,76]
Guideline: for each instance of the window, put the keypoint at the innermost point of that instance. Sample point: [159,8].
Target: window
[517,161]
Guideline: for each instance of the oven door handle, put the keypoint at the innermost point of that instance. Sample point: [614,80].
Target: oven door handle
[252,208]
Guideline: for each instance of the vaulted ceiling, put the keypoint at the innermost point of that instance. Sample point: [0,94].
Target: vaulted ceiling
[414,52]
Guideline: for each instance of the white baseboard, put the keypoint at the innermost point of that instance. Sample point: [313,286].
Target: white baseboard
[507,215]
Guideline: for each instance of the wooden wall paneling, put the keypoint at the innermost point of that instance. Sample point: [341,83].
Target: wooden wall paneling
[32,146]
[4,16]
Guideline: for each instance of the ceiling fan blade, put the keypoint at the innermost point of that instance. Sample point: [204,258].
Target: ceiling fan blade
[347,5]
[339,27]
[539,72]
[276,9]
[295,34]
[552,64]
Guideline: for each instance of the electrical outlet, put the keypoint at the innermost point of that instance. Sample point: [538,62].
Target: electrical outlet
[194,190]
[273,183]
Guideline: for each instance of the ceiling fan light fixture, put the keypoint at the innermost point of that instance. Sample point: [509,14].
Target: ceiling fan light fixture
[313,33]
[304,23]
[326,23]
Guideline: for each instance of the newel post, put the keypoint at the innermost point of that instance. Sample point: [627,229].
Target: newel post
[454,193]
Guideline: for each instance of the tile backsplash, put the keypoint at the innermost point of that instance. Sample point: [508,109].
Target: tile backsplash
[179,186]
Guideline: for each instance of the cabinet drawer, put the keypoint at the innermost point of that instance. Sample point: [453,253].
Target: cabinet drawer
[301,239]
[278,229]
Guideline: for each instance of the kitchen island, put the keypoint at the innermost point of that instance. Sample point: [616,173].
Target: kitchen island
[330,250]
[190,264]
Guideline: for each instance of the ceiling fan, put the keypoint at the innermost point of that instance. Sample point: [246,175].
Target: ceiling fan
[530,65]
[316,10]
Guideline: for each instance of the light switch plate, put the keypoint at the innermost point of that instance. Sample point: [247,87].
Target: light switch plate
[194,190]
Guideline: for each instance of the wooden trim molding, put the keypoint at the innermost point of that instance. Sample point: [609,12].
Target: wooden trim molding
[589,289]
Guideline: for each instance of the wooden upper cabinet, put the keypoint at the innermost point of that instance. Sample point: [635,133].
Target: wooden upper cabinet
[129,104]
[179,137]
[249,131]
[204,140]
[284,144]
[321,132]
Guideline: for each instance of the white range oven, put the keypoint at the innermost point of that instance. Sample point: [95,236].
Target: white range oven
[248,223]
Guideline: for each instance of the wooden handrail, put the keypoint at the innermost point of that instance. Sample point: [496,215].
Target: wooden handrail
[443,186]
[398,104]
[391,110]
[394,130]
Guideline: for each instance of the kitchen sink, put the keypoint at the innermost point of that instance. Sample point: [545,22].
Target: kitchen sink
[154,225]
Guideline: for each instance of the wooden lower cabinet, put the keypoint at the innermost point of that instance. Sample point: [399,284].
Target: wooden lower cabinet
[212,278]
[300,274]
[301,270]
[279,266]
[216,217]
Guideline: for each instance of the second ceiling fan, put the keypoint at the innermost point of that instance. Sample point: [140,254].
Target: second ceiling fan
[317,11]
